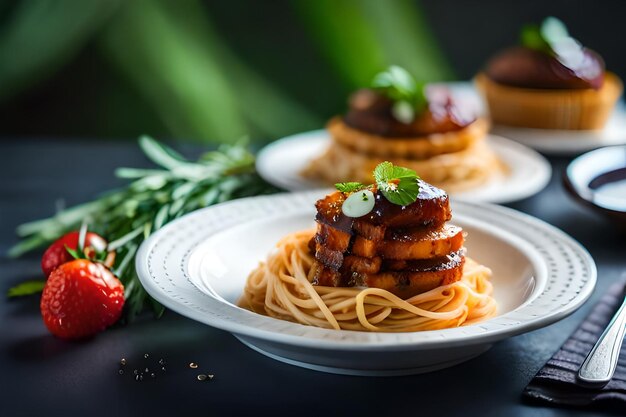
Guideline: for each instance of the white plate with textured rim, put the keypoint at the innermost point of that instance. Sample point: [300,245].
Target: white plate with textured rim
[281,162]
[569,142]
[197,266]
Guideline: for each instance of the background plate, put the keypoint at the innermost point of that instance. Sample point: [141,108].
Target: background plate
[570,142]
[281,162]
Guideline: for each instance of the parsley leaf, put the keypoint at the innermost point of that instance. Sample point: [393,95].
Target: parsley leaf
[408,95]
[349,187]
[398,184]
[386,171]
[26,288]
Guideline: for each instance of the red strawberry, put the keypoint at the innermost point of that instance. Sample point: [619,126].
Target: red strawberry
[56,254]
[80,299]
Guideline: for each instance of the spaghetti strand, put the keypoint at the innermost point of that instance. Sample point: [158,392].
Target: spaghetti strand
[281,288]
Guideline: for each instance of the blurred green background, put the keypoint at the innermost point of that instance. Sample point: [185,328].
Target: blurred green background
[215,71]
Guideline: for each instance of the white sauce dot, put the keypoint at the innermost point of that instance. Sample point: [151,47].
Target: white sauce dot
[358,204]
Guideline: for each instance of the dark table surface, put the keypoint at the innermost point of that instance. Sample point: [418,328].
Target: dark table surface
[42,375]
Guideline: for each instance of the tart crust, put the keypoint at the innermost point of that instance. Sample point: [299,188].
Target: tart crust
[421,147]
[581,109]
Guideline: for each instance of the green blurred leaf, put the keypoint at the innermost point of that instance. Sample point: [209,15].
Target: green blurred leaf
[43,35]
[349,187]
[26,288]
[361,37]
[26,245]
[160,154]
[176,71]
[198,86]
[273,113]
[345,35]
[402,29]
[530,37]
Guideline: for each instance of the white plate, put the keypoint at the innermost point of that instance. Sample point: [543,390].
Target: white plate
[198,264]
[281,162]
[569,142]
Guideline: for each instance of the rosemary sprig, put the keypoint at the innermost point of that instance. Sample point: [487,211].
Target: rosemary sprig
[127,216]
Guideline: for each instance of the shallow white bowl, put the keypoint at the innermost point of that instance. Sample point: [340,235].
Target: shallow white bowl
[198,264]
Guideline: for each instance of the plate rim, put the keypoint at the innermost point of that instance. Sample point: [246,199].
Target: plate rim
[144,274]
[538,183]
[564,142]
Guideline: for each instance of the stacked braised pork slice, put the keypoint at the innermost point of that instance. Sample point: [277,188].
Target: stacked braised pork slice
[405,250]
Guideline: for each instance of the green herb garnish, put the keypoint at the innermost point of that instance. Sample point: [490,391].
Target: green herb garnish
[398,184]
[408,95]
[532,39]
[127,216]
[349,187]
[552,38]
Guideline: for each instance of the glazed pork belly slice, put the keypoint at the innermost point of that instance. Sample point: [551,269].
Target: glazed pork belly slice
[432,208]
[335,231]
[328,257]
[331,238]
[418,276]
[433,264]
[422,243]
[406,284]
[330,245]
[406,244]
[352,263]
[414,243]
[347,263]
[352,251]
[329,212]
[361,265]
[327,277]
[364,247]
[368,230]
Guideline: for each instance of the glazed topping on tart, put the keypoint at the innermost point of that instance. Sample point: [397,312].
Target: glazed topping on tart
[548,59]
[398,106]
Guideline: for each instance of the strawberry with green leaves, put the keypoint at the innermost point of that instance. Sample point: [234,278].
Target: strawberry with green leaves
[94,246]
[81,296]
[80,299]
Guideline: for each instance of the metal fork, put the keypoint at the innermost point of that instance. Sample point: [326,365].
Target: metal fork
[599,366]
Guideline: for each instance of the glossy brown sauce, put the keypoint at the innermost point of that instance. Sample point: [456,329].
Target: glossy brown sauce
[527,68]
[371,112]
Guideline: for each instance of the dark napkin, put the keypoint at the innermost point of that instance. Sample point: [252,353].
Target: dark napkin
[556,384]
